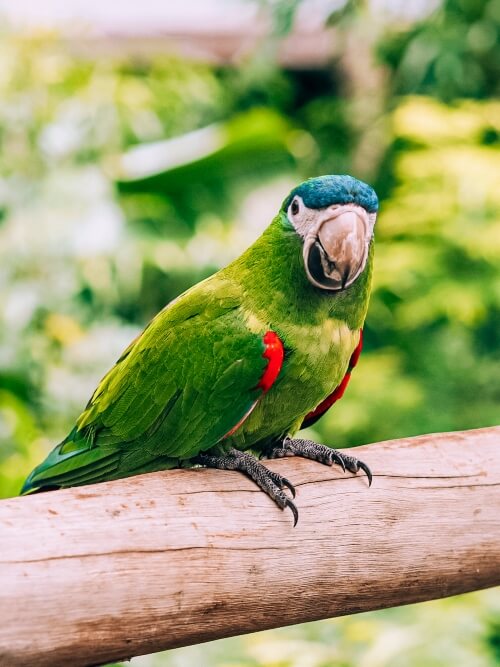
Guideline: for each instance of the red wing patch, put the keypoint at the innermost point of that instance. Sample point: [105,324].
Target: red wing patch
[274,352]
[337,394]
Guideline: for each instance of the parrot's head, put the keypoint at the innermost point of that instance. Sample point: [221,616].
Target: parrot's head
[334,216]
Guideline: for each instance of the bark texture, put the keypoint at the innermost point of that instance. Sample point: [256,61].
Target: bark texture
[98,573]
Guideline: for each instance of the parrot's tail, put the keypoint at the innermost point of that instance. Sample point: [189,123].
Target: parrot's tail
[72,464]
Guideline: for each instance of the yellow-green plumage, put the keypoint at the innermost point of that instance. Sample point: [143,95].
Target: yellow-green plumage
[194,372]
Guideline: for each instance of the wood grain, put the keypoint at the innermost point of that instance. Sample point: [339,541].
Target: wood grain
[97,573]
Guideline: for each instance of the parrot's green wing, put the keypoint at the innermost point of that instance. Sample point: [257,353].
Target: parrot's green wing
[178,389]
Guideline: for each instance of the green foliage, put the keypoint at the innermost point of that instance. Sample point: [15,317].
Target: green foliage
[454,53]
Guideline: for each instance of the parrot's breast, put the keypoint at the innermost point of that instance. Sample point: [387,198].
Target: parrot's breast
[316,360]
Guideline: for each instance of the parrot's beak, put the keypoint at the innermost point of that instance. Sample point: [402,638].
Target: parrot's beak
[336,247]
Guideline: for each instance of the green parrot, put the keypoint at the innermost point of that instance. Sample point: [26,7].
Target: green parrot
[243,360]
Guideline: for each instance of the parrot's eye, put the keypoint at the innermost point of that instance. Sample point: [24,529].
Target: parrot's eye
[297,215]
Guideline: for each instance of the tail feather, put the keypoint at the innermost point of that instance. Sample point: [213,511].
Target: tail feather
[67,465]
[87,474]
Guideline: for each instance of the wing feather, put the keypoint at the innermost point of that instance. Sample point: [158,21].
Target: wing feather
[178,389]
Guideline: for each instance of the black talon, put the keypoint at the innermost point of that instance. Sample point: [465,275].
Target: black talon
[367,470]
[338,460]
[281,481]
[295,511]
[289,485]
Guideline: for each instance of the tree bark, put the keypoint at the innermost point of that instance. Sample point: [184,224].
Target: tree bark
[109,571]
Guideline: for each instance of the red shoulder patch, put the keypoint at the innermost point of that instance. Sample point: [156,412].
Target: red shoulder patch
[337,394]
[274,352]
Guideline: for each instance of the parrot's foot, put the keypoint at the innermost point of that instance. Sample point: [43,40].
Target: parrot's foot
[312,450]
[269,481]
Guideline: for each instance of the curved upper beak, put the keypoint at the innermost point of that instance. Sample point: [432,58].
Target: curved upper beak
[336,247]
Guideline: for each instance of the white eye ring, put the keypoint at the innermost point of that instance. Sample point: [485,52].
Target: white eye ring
[295,206]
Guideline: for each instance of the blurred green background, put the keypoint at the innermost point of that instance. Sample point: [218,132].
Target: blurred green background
[126,177]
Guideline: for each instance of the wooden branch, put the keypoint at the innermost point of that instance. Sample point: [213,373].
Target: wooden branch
[97,573]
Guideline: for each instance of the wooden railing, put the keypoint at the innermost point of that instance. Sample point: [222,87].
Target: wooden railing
[98,573]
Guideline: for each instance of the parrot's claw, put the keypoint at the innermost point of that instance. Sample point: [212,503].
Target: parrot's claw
[270,482]
[294,509]
[321,453]
[367,470]
[287,483]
